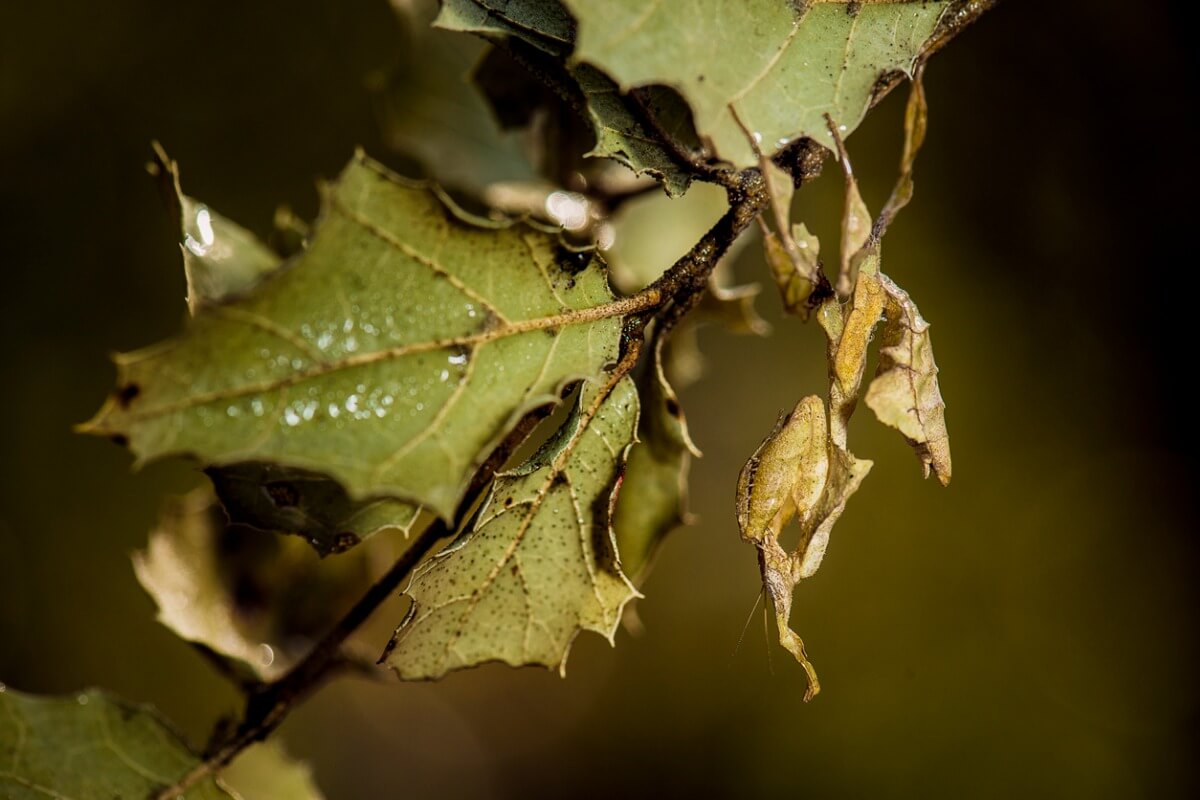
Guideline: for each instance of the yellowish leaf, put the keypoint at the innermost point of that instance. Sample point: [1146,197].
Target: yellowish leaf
[799,473]
[905,393]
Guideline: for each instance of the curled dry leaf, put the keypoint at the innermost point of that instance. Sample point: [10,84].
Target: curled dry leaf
[849,329]
[905,393]
[916,115]
[538,563]
[249,595]
[856,221]
[798,473]
[797,273]
[266,771]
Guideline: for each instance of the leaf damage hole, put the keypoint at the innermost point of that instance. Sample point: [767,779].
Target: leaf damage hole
[127,394]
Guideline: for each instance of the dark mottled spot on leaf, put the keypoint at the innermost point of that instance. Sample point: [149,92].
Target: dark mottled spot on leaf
[344,541]
[802,159]
[573,262]
[126,394]
[282,494]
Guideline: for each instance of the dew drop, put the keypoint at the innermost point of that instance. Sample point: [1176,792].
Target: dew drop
[445,375]
[606,236]
[233,411]
[82,699]
[291,417]
[2,687]
[569,209]
[458,359]
[266,654]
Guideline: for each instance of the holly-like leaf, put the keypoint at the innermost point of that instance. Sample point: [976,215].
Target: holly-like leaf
[904,393]
[538,563]
[391,355]
[252,596]
[796,61]
[434,114]
[266,496]
[220,258]
[798,473]
[621,132]
[653,497]
[90,746]
[287,500]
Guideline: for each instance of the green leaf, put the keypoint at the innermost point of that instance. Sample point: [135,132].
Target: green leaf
[538,563]
[90,746]
[620,133]
[268,496]
[780,66]
[252,596]
[392,355]
[905,393]
[286,500]
[653,497]
[434,114]
[266,772]
[221,259]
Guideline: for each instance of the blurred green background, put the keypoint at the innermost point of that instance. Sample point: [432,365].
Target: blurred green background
[1027,632]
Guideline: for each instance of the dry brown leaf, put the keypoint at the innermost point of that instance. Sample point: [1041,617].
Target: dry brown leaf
[905,393]
[798,473]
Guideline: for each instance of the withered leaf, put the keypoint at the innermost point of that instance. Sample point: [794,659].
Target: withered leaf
[905,393]
[798,473]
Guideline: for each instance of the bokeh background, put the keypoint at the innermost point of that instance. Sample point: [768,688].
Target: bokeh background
[1027,632]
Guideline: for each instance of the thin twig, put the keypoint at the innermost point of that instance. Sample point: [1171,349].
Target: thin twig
[268,707]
